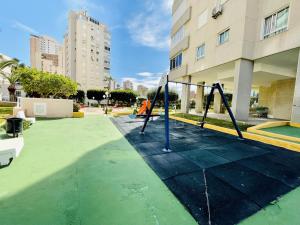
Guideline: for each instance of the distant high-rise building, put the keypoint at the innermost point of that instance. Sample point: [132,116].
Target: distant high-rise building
[127,85]
[87,51]
[46,54]
[142,90]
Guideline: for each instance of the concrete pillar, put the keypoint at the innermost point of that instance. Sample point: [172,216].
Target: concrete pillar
[296,101]
[217,102]
[199,98]
[243,75]
[185,97]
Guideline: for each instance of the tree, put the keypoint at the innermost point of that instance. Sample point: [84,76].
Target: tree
[42,84]
[12,78]
[79,97]
[173,96]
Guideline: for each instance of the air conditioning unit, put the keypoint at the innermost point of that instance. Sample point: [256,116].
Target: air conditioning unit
[217,11]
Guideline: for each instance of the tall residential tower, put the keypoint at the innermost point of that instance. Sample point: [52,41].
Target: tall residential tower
[87,51]
[46,54]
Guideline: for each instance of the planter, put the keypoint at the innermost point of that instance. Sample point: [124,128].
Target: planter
[14,126]
[78,114]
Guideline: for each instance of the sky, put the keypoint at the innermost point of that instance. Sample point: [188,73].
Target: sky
[140,32]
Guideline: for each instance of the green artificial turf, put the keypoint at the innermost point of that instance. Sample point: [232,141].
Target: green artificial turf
[284,130]
[84,172]
[218,122]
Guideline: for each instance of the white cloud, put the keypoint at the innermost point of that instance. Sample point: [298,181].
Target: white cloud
[24,28]
[149,74]
[151,27]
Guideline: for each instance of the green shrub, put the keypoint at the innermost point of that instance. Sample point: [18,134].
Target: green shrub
[6,110]
[76,107]
[123,96]
[96,105]
[8,104]
[26,124]
[95,94]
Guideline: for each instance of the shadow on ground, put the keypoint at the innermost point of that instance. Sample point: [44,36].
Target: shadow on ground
[58,180]
[217,177]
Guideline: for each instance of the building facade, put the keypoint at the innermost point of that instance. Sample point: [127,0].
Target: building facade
[127,85]
[46,54]
[244,44]
[87,51]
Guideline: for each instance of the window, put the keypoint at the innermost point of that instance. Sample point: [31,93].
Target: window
[177,37]
[176,62]
[223,37]
[276,23]
[200,52]
[202,19]
[107,48]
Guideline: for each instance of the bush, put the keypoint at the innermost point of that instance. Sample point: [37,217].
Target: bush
[26,124]
[76,107]
[6,110]
[96,105]
[8,104]
[95,94]
[173,96]
[126,97]
[79,97]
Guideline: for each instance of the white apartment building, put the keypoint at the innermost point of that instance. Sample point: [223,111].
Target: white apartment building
[87,51]
[127,85]
[46,54]
[244,44]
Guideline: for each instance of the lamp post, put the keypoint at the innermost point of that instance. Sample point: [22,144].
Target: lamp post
[107,93]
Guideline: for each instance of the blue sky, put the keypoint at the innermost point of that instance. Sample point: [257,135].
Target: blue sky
[140,31]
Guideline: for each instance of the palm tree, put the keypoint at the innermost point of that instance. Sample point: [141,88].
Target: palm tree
[11,78]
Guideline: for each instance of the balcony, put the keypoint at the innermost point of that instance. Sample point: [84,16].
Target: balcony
[182,20]
[181,46]
[178,73]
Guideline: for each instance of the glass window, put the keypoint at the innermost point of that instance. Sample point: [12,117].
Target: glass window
[176,62]
[223,37]
[276,23]
[200,52]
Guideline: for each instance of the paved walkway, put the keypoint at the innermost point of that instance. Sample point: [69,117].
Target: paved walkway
[84,172]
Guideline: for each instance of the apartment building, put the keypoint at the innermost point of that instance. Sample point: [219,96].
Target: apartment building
[244,44]
[46,54]
[87,51]
[127,85]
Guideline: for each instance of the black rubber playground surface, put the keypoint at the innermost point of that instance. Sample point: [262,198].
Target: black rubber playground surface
[236,178]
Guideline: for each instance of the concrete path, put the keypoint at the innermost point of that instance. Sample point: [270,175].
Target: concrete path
[84,172]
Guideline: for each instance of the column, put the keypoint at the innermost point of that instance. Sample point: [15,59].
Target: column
[217,102]
[185,97]
[296,102]
[243,75]
[200,98]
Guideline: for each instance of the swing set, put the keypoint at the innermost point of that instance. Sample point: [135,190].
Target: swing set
[164,82]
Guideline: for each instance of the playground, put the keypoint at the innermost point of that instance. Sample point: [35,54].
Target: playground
[219,178]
